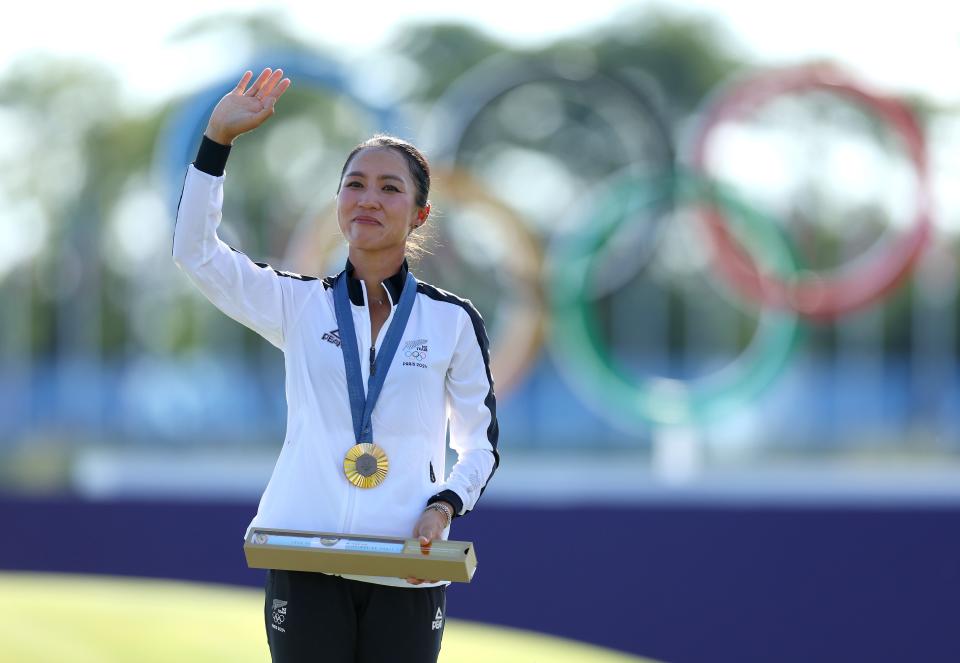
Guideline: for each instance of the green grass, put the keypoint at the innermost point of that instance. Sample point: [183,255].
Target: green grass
[46,618]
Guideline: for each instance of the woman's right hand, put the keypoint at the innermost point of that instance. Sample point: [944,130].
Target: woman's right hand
[244,109]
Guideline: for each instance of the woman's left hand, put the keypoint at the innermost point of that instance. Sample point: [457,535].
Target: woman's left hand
[429,527]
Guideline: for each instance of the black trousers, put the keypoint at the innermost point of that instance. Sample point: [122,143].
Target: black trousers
[319,618]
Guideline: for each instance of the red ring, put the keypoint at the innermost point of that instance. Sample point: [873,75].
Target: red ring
[817,297]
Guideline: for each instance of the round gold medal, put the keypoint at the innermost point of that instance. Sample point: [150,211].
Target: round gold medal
[365,465]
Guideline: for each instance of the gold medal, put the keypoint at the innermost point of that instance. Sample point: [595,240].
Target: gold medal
[365,465]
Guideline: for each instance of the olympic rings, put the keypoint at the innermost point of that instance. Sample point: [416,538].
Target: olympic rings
[588,366]
[639,133]
[817,296]
[459,108]
[589,262]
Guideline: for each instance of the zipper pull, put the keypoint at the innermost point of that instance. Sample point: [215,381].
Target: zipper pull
[373,361]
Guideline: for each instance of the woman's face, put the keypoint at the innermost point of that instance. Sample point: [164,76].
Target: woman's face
[376,205]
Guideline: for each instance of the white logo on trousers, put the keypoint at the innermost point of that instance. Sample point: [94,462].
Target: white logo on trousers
[279,615]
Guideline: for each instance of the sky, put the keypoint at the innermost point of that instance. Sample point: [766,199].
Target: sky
[898,47]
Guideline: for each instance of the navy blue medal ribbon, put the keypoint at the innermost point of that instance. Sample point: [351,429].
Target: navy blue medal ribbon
[363,465]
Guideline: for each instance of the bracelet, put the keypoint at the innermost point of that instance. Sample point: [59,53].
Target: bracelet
[442,508]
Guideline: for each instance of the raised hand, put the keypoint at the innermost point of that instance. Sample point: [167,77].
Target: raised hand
[244,109]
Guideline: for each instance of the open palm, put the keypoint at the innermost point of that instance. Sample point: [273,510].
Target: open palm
[246,108]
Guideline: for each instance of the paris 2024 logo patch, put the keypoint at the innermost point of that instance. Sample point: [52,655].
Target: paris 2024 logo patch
[415,353]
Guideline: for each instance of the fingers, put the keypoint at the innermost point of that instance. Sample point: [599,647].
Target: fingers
[270,90]
[425,536]
[419,581]
[269,84]
[268,106]
[427,532]
[257,84]
[268,81]
[427,529]
[244,80]
[277,91]
[425,543]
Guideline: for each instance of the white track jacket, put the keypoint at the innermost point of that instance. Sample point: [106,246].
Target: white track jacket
[439,375]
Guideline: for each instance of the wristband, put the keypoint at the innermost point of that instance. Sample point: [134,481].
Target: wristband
[211,157]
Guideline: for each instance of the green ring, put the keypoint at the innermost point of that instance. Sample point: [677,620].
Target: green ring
[583,358]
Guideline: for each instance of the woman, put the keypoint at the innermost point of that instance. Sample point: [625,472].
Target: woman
[370,338]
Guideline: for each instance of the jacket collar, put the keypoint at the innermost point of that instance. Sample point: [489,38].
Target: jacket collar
[393,284]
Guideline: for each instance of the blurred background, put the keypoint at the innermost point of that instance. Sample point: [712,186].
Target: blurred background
[715,245]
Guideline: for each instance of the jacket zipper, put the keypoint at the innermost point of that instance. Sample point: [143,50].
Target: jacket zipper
[352,494]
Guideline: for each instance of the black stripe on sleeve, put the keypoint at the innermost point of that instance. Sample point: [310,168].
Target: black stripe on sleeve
[493,429]
[278,272]
[212,160]
[179,202]
[283,272]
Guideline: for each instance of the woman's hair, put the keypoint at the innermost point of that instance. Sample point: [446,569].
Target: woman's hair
[416,162]
[419,171]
